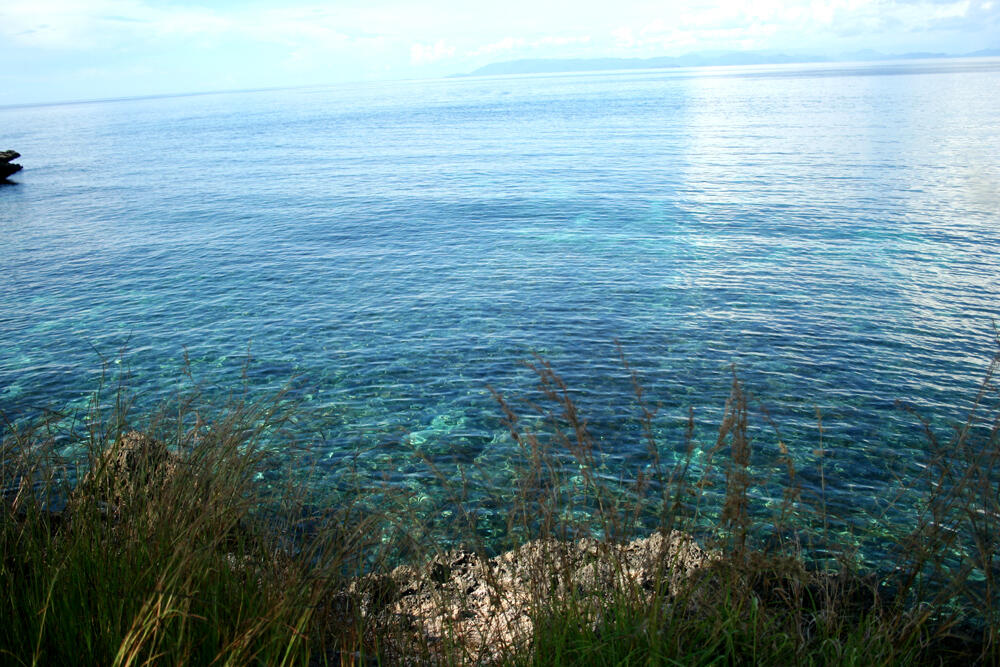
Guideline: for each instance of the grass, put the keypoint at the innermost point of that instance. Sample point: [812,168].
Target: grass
[166,548]
[187,565]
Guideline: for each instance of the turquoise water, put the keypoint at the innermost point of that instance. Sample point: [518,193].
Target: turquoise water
[392,250]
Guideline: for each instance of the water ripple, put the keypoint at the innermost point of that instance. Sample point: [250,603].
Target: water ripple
[399,248]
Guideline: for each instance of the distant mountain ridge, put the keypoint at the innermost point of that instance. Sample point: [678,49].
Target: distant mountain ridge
[557,65]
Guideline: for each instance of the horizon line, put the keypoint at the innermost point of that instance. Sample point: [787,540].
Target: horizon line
[815,59]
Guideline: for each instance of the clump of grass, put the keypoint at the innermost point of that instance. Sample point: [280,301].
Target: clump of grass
[171,552]
[785,589]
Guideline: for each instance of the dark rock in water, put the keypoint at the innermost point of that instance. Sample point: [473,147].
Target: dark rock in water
[6,166]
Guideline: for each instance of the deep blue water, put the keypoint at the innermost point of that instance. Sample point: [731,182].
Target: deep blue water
[397,248]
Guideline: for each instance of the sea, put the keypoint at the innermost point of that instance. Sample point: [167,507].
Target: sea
[392,259]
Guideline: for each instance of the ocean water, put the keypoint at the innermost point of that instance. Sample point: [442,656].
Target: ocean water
[390,251]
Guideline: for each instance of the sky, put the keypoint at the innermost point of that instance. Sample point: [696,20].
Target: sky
[60,50]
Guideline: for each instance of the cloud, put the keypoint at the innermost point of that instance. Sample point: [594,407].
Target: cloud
[561,41]
[52,23]
[624,37]
[522,43]
[124,19]
[978,15]
[85,23]
[628,25]
[93,24]
[505,44]
[422,54]
[281,41]
[807,24]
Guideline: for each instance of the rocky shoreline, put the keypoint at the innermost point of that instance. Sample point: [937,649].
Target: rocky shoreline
[487,605]
[484,605]
[7,167]
[465,603]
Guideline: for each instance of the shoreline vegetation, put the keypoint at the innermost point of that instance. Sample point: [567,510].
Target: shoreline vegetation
[162,545]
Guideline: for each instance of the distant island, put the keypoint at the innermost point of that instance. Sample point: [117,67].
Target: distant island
[557,65]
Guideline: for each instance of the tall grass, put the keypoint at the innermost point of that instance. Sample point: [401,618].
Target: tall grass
[181,537]
[786,589]
[179,556]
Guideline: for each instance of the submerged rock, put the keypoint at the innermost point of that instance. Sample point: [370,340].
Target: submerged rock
[7,167]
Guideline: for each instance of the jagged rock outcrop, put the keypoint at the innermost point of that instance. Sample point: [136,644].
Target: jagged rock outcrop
[487,605]
[8,168]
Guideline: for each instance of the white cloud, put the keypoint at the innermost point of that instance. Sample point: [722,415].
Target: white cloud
[562,41]
[516,43]
[422,54]
[505,44]
[84,24]
[624,37]
[60,23]
[277,41]
[782,24]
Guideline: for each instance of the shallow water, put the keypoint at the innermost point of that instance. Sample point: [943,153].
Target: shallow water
[833,232]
